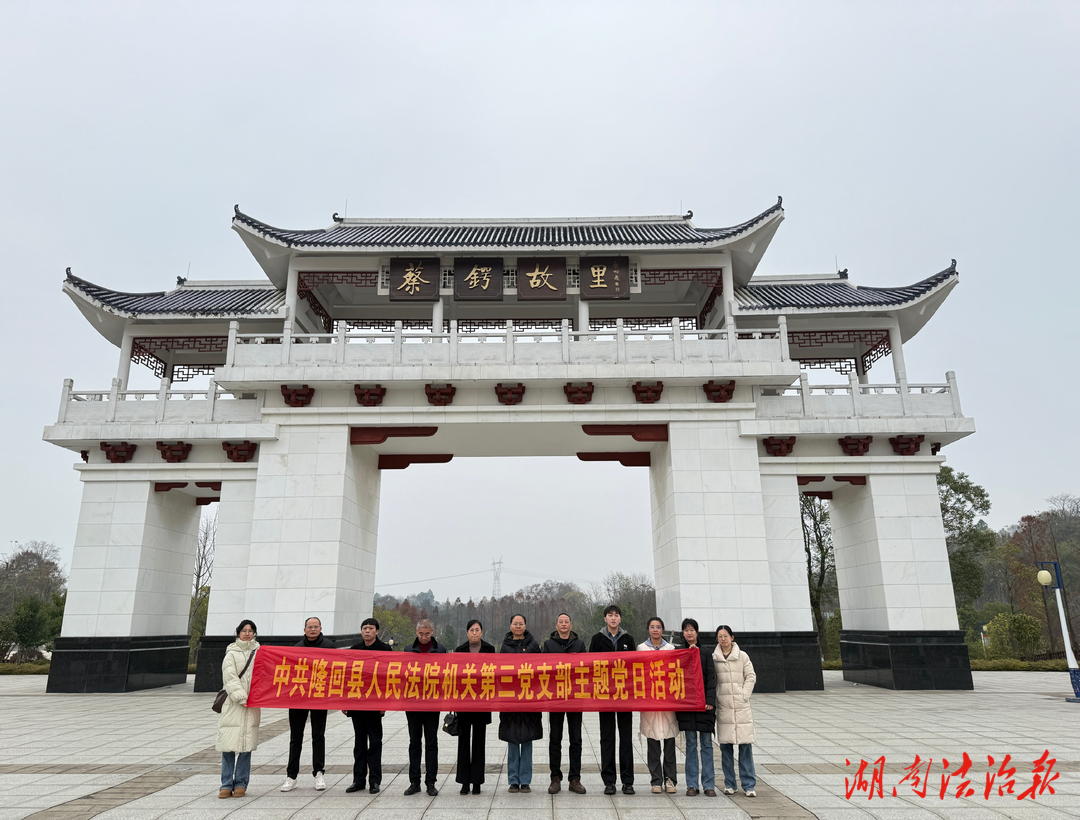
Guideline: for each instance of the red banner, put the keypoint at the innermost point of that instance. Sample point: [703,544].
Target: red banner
[300,678]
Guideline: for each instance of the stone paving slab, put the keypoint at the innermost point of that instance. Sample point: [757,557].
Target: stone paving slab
[83,756]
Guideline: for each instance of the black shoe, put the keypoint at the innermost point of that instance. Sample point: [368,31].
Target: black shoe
[465,789]
[514,788]
[355,787]
[609,788]
[627,789]
[524,788]
[476,788]
[431,790]
[374,788]
[414,788]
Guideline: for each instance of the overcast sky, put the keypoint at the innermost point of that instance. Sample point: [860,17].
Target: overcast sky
[900,135]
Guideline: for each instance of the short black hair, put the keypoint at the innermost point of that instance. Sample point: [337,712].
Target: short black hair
[727,629]
[690,622]
[312,617]
[518,615]
[371,621]
[648,623]
[244,623]
[473,623]
[612,608]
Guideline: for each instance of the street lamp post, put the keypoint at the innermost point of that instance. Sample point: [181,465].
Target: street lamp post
[1053,580]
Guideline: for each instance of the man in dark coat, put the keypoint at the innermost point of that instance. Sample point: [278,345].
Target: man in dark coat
[313,639]
[699,726]
[564,640]
[424,725]
[367,726]
[613,638]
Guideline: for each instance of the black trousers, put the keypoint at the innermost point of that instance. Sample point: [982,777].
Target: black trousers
[297,721]
[608,723]
[658,773]
[573,727]
[425,726]
[472,729]
[367,748]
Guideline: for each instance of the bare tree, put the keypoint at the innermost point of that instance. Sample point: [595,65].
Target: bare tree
[204,569]
[31,570]
[820,563]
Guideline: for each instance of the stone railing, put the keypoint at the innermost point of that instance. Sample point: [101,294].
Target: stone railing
[855,400]
[164,405]
[563,346]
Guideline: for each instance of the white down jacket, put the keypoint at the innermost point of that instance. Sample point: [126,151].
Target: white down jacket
[735,681]
[658,725]
[238,726]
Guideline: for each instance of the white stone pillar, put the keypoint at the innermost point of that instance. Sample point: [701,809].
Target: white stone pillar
[314,531]
[727,298]
[582,316]
[709,540]
[132,562]
[123,368]
[787,555]
[232,551]
[892,565]
[292,294]
[899,370]
[437,316]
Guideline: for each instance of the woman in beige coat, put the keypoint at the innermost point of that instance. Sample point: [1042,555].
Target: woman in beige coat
[238,726]
[659,727]
[735,680]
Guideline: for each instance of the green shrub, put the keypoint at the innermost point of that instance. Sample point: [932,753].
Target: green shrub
[38,667]
[1013,634]
[835,664]
[191,669]
[1014,665]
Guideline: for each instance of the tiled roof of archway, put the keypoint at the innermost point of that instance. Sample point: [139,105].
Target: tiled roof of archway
[836,294]
[189,301]
[569,233]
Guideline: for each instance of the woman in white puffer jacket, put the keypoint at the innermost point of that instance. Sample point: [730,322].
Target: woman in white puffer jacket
[659,726]
[735,679]
[238,726]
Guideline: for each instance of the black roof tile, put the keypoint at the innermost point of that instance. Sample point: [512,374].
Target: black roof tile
[191,301]
[838,294]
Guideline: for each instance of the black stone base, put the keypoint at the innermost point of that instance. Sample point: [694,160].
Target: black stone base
[783,661]
[117,664]
[212,653]
[906,660]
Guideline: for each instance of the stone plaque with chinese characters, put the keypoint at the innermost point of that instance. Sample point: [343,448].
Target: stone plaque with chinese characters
[414,280]
[541,279]
[478,280]
[605,277]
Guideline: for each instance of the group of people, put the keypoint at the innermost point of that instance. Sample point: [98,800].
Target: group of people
[727,673]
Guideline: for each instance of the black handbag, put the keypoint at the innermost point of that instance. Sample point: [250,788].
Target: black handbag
[450,724]
[222,696]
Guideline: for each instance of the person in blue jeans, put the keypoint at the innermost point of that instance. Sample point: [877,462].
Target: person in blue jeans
[698,727]
[238,726]
[519,729]
[735,681]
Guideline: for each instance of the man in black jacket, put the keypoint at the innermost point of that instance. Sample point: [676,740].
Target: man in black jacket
[313,639]
[424,725]
[564,640]
[367,726]
[614,638]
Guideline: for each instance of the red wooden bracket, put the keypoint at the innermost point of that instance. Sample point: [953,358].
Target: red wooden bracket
[855,480]
[240,452]
[647,393]
[174,453]
[625,459]
[776,446]
[209,485]
[719,393]
[825,494]
[399,461]
[511,393]
[119,453]
[639,432]
[369,396]
[377,435]
[906,445]
[165,486]
[855,445]
[582,394]
[809,479]
[440,396]
[297,396]
[203,501]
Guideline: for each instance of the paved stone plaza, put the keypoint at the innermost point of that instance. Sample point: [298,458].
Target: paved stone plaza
[150,755]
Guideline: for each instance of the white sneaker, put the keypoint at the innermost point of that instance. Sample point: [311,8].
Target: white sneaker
[289,784]
[320,782]
[750,793]
[669,787]
[729,791]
